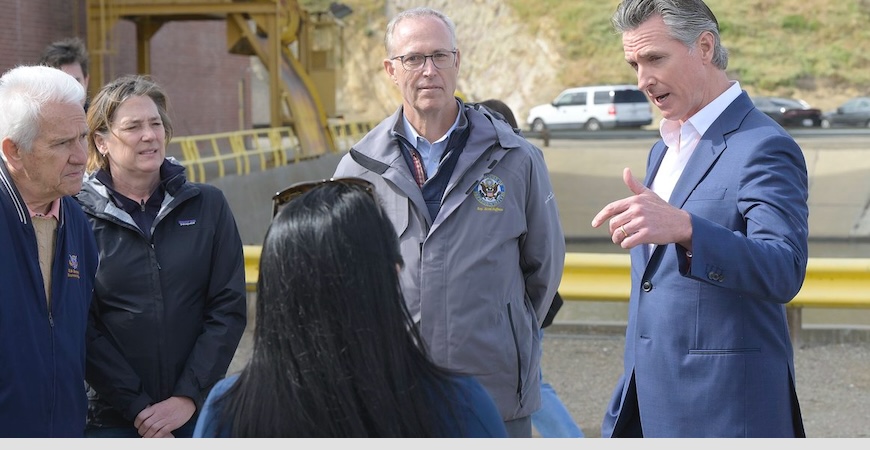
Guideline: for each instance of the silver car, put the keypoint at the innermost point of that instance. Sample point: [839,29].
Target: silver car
[593,108]
[854,113]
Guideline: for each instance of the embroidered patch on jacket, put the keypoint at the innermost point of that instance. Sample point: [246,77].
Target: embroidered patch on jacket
[490,193]
[187,222]
[72,270]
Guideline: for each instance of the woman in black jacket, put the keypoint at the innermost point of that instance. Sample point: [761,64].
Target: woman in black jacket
[169,298]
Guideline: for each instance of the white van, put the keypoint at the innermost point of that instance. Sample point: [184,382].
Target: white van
[593,108]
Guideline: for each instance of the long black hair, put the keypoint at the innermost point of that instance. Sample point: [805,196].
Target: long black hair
[336,353]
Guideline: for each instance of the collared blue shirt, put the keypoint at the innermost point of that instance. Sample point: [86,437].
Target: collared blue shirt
[431,153]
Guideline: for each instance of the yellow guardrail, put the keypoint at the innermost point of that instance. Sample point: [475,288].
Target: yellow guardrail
[210,156]
[252,266]
[829,282]
[596,277]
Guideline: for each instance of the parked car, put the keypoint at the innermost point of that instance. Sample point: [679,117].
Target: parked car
[789,112]
[854,113]
[593,108]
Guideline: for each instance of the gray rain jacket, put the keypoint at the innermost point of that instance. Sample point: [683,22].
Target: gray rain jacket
[480,277]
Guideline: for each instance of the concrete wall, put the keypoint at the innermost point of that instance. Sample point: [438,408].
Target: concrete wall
[250,196]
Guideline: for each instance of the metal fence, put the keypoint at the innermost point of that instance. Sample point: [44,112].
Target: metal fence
[210,156]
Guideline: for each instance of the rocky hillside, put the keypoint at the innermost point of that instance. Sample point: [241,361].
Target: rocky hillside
[500,58]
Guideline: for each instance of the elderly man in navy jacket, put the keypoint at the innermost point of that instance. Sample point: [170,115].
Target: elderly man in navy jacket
[49,254]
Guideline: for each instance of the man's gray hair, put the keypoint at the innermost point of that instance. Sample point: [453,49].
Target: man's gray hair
[24,91]
[415,13]
[686,21]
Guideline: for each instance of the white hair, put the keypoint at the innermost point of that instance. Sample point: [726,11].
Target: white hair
[24,91]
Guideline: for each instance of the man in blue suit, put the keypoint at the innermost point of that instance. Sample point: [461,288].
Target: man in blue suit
[718,238]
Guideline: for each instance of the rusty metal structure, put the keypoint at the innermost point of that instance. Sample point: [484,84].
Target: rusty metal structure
[297,49]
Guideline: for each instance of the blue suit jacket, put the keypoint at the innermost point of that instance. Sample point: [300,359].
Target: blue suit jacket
[708,343]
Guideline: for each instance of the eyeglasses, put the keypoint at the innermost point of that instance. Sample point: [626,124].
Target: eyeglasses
[416,61]
[287,194]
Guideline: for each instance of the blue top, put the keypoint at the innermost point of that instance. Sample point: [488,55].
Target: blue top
[474,406]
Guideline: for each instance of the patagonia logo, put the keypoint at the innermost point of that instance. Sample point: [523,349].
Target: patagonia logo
[187,222]
[72,269]
[490,192]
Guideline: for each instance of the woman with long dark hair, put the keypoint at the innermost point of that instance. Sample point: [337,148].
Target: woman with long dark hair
[336,353]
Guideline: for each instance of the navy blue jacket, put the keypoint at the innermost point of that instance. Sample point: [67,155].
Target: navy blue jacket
[42,350]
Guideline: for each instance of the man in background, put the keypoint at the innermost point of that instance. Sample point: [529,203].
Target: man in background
[70,56]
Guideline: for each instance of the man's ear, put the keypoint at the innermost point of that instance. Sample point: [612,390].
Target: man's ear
[706,45]
[390,68]
[11,152]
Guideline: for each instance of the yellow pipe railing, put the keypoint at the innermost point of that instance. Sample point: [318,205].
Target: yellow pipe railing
[210,156]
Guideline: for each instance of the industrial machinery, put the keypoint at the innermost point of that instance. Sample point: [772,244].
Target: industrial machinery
[295,47]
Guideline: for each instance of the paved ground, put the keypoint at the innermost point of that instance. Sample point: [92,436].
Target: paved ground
[833,381]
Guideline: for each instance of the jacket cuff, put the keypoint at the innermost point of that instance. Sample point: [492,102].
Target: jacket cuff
[136,406]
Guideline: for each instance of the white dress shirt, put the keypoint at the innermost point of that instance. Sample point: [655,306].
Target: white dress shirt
[682,138]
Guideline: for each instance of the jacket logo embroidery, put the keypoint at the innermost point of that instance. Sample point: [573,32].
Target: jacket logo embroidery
[72,270]
[490,193]
[187,223]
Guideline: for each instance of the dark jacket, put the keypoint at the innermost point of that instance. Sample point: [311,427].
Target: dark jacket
[169,311]
[42,350]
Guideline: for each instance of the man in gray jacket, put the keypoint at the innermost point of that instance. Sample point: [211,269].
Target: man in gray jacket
[476,216]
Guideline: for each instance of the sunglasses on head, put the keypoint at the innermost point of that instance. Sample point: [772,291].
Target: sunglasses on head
[287,194]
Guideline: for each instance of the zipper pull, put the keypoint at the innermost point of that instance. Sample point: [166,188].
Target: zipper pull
[142,204]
